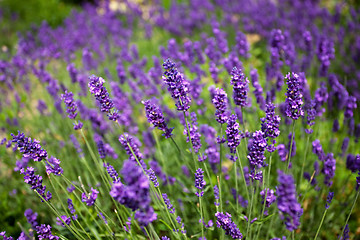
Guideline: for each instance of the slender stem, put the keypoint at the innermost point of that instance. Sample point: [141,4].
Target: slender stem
[236,187]
[251,205]
[202,219]
[263,209]
[291,144]
[220,170]
[352,208]
[303,163]
[177,147]
[242,173]
[191,143]
[322,220]
[268,178]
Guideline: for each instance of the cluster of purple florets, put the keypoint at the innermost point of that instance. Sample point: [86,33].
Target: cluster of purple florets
[90,197]
[102,96]
[240,85]
[270,126]
[270,198]
[28,147]
[220,101]
[35,181]
[290,210]
[177,86]
[135,194]
[132,149]
[199,182]
[194,133]
[224,221]
[233,133]
[156,118]
[257,147]
[293,95]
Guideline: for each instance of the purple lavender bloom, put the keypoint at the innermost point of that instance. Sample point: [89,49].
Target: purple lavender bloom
[199,181]
[232,133]
[90,198]
[240,85]
[167,203]
[156,118]
[242,45]
[258,92]
[153,177]
[270,125]
[311,114]
[345,145]
[76,144]
[289,208]
[358,181]
[325,53]
[31,217]
[131,146]
[318,150]
[345,235]
[177,86]
[224,221]
[257,150]
[71,188]
[44,232]
[100,145]
[270,198]
[73,72]
[329,168]
[63,219]
[329,199]
[350,106]
[71,105]
[135,194]
[220,101]
[53,166]
[216,195]
[29,148]
[353,162]
[35,181]
[71,206]
[102,96]
[165,238]
[321,97]
[293,97]
[5,237]
[41,106]
[112,172]
[194,133]
[293,146]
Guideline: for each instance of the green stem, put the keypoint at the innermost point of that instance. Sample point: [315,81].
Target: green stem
[192,146]
[322,220]
[303,163]
[236,187]
[202,219]
[242,173]
[220,170]
[352,208]
[251,205]
[291,144]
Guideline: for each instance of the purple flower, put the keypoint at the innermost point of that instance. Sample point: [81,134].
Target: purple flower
[353,162]
[177,86]
[289,208]
[31,217]
[232,133]
[53,166]
[317,149]
[167,203]
[270,197]
[90,198]
[257,150]
[293,95]
[258,92]
[358,181]
[102,96]
[100,145]
[5,237]
[35,181]
[112,172]
[199,181]
[29,148]
[224,221]
[329,168]
[71,105]
[325,53]
[44,232]
[242,45]
[153,177]
[216,195]
[329,199]
[156,118]
[135,194]
[350,106]
[240,85]
[311,114]
[71,206]
[131,147]
[194,133]
[270,125]
[345,235]
[63,219]
[220,101]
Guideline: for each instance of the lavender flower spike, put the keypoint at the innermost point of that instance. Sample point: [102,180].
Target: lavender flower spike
[290,210]
[68,98]
[293,95]
[177,86]
[199,181]
[156,118]
[29,148]
[270,125]
[102,96]
[220,101]
[257,150]
[233,133]
[90,198]
[240,84]
[224,221]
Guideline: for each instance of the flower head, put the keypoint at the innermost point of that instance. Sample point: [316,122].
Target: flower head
[90,198]
[199,181]
[293,95]
[156,118]
[233,133]
[240,85]
[224,221]
[28,147]
[220,102]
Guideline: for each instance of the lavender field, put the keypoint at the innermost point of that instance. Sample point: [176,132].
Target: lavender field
[164,119]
